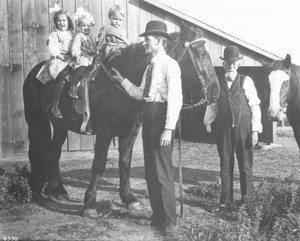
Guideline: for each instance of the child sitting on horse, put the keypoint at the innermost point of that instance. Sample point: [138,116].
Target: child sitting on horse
[111,38]
[83,48]
[59,45]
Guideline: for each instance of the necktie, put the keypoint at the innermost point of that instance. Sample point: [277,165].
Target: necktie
[148,80]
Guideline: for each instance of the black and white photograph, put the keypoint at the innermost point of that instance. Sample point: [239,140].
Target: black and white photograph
[149,120]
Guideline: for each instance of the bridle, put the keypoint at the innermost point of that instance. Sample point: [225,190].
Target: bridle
[202,80]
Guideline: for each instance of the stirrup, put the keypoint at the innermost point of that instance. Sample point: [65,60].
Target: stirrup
[55,111]
[73,92]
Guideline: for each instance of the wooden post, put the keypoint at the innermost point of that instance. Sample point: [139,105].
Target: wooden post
[274,131]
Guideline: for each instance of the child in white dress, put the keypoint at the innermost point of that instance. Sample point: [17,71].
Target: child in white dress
[84,48]
[61,61]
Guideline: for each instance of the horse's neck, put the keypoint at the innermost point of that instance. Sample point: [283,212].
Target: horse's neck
[293,98]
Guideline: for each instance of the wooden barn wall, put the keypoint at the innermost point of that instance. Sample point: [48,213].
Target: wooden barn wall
[24,27]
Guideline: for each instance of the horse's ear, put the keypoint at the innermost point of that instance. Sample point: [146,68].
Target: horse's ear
[287,61]
[184,28]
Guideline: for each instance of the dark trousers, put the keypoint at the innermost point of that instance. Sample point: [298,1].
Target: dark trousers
[238,140]
[159,171]
[77,75]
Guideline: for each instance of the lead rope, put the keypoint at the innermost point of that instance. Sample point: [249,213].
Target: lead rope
[201,102]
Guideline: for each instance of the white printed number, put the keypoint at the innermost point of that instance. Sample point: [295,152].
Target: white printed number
[10,238]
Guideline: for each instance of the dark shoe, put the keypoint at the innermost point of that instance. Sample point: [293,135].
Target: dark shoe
[55,110]
[73,92]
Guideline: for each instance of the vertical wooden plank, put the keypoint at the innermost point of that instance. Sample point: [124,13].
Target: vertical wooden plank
[5,112]
[69,5]
[5,144]
[95,8]
[86,142]
[106,5]
[145,16]
[138,145]
[29,35]
[81,3]
[73,141]
[43,25]
[4,50]
[17,110]
[133,21]
[51,5]
[29,25]
[15,25]
[16,59]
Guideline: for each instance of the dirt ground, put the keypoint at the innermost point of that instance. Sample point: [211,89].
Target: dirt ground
[53,220]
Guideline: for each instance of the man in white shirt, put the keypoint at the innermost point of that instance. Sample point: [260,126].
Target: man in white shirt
[238,122]
[161,92]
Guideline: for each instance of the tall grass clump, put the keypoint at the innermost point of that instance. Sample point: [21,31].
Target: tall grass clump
[15,186]
[270,212]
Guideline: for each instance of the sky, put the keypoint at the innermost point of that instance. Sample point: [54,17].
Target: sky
[273,25]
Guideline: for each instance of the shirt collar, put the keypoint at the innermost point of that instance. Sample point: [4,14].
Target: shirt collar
[159,56]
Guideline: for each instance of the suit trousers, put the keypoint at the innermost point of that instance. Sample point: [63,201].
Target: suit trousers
[159,173]
[236,139]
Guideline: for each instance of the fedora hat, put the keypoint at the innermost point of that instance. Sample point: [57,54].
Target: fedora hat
[156,28]
[231,54]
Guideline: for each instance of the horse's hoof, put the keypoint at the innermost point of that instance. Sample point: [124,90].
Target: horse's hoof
[137,207]
[89,213]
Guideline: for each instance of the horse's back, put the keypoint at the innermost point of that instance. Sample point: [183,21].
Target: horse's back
[30,91]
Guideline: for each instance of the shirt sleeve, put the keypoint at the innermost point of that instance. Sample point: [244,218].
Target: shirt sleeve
[253,101]
[133,90]
[174,98]
[76,50]
[210,115]
[53,45]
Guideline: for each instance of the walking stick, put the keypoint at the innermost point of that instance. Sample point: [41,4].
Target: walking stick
[180,166]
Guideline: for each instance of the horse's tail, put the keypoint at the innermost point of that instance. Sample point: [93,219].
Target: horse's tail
[39,130]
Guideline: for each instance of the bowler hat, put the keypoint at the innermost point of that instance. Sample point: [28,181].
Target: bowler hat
[156,28]
[231,53]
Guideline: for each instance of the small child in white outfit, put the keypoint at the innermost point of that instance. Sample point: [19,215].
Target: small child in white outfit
[83,48]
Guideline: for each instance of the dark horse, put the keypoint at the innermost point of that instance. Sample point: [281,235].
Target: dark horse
[113,113]
[284,81]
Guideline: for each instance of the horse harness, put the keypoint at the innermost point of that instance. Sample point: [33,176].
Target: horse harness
[202,80]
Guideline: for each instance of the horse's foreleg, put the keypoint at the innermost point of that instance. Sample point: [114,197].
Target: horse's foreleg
[126,144]
[39,135]
[103,139]
[55,186]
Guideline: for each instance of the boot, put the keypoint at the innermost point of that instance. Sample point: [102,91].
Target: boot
[73,92]
[56,97]
[55,110]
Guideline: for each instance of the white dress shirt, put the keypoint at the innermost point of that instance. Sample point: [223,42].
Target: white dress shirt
[253,102]
[165,86]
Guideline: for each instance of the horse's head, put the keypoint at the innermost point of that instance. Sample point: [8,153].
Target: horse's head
[198,73]
[279,73]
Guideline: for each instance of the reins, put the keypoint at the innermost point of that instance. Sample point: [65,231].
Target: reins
[188,106]
[202,80]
